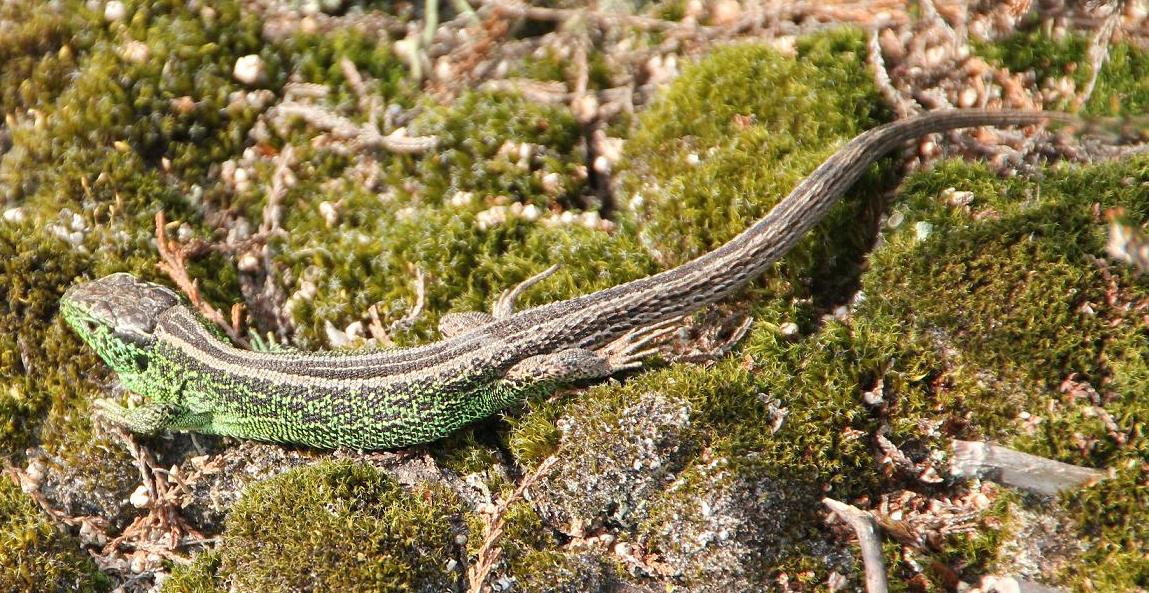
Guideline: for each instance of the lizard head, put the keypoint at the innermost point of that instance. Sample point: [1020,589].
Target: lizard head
[117,316]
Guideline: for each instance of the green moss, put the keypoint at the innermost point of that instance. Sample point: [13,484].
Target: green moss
[1002,304]
[370,256]
[316,59]
[340,527]
[735,133]
[532,556]
[39,364]
[1016,292]
[1113,516]
[35,557]
[197,577]
[37,56]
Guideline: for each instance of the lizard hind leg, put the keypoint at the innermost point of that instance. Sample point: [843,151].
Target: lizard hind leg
[457,324]
[628,351]
[564,366]
[505,306]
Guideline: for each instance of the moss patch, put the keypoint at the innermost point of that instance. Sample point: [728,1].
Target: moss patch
[35,557]
[735,133]
[197,577]
[341,527]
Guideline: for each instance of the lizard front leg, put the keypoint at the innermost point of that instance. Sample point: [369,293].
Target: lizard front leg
[150,418]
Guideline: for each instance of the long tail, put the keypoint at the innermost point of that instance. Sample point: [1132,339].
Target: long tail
[597,318]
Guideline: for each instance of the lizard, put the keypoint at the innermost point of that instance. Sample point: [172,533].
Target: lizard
[192,380]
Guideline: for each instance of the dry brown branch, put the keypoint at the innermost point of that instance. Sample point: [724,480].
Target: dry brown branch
[493,524]
[863,525]
[1099,51]
[173,262]
[366,135]
[562,15]
[420,301]
[1021,470]
[902,106]
[163,516]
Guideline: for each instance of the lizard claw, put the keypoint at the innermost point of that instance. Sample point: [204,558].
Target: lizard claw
[628,351]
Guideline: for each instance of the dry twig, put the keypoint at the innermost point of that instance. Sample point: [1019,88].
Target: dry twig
[863,524]
[173,262]
[1021,470]
[493,524]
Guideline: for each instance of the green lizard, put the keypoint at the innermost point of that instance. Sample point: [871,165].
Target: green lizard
[194,381]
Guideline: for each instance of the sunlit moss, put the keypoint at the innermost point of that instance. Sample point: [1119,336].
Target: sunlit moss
[344,527]
[35,557]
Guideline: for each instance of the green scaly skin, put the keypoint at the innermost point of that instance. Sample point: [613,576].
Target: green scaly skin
[192,380]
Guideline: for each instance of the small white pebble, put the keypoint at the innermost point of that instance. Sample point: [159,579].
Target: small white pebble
[249,69]
[601,165]
[788,329]
[356,330]
[140,497]
[14,215]
[922,230]
[531,212]
[90,535]
[135,52]
[956,198]
[590,219]
[526,153]
[692,159]
[552,183]
[461,199]
[248,262]
[115,11]
[336,337]
[725,12]
[444,69]
[329,212]
[585,108]
[967,98]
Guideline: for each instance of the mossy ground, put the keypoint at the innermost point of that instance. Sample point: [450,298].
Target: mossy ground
[964,327]
[35,556]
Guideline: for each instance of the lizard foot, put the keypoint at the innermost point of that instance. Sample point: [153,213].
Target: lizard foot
[149,418]
[628,351]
